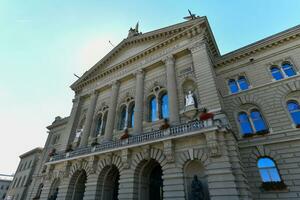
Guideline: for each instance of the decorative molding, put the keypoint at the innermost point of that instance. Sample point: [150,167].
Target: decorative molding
[169,150]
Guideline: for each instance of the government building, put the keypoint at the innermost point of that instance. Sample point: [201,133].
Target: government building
[165,116]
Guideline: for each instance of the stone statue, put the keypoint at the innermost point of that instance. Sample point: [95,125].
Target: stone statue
[197,189]
[189,99]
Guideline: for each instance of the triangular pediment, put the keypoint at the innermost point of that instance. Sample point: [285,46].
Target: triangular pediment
[131,47]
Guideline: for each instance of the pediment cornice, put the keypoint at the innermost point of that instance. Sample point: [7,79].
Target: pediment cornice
[175,32]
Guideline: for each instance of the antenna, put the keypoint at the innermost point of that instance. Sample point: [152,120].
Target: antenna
[111,43]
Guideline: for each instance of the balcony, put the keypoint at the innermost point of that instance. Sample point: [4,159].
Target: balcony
[178,131]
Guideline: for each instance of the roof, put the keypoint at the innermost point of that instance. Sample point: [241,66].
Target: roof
[260,45]
[31,152]
[170,33]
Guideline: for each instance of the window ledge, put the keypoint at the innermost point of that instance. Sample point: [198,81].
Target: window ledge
[257,134]
[273,186]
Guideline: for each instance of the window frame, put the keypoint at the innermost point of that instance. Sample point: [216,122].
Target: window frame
[275,166]
[289,113]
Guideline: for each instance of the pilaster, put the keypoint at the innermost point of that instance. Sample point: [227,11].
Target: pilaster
[139,100]
[172,89]
[206,81]
[89,119]
[112,111]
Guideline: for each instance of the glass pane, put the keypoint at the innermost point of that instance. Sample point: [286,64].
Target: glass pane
[153,109]
[274,174]
[233,86]
[243,83]
[104,124]
[288,69]
[265,163]
[258,121]
[264,175]
[123,118]
[164,106]
[99,124]
[131,120]
[276,73]
[294,110]
[245,123]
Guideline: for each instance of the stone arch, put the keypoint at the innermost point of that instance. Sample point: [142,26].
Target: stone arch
[77,185]
[148,169]
[262,151]
[150,84]
[194,162]
[81,165]
[108,161]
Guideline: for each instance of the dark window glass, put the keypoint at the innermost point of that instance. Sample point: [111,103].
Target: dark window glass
[288,69]
[294,110]
[276,73]
[245,123]
[99,125]
[243,83]
[268,170]
[164,106]
[258,121]
[104,123]
[233,86]
[153,109]
[131,117]
[122,118]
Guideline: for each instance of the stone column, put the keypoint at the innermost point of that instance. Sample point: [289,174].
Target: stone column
[89,119]
[203,67]
[70,126]
[112,112]
[139,103]
[172,89]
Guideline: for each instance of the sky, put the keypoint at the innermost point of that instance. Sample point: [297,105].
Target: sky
[43,43]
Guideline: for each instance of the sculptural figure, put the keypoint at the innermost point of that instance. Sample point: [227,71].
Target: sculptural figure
[197,189]
[189,99]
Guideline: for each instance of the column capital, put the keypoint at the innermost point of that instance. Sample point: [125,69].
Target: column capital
[115,83]
[168,60]
[93,93]
[139,72]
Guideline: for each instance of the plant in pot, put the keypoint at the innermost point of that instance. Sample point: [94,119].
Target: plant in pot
[125,135]
[69,148]
[165,125]
[206,117]
[52,152]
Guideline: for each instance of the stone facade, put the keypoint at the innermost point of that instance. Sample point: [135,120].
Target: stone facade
[5,181]
[116,144]
[23,177]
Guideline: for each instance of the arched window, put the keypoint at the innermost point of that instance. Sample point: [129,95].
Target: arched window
[245,124]
[164,106]
[152,109]
[123,116]
[268,170]
[243,83]
[288,69]
[131,116]
[294,110]
[233,86]
[276,73]
[258,121]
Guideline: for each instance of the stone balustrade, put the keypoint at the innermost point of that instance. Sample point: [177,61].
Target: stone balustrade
[140,139]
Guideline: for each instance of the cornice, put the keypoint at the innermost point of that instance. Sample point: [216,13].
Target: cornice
[191,31]
[259,46]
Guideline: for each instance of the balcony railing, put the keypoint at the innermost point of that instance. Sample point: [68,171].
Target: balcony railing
[140,139]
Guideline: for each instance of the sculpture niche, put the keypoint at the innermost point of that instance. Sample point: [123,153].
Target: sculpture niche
[190,109]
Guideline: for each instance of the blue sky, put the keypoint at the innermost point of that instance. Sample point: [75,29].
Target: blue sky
[42,43]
